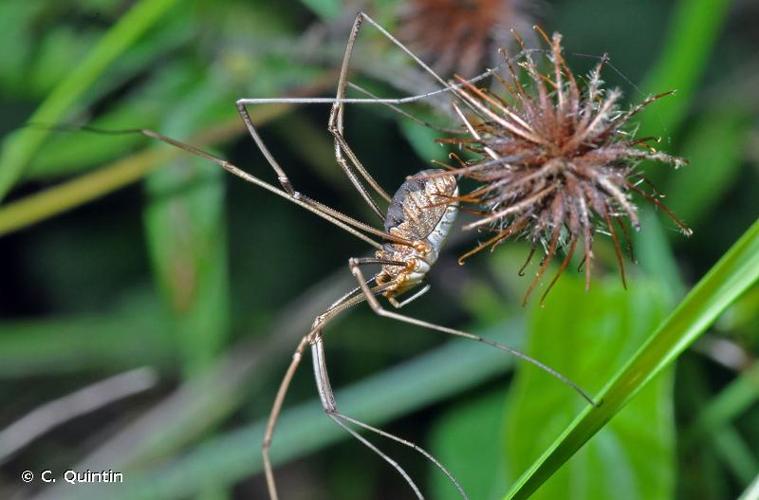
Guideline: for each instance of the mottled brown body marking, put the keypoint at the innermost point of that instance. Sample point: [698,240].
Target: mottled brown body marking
[421,211]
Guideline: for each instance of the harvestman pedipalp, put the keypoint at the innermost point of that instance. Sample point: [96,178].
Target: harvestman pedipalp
[416,223]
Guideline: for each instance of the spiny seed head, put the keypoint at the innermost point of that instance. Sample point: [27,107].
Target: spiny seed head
[458,35]
[555,160]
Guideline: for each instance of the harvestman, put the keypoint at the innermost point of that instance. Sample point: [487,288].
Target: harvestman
[416,223]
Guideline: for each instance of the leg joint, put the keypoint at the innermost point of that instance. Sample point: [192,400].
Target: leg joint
[380,310]
[318,321]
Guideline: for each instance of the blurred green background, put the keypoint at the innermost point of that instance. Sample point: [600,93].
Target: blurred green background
[150,302]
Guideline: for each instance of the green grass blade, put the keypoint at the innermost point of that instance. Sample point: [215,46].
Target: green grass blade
[735,453]
[734,399]
[728,279]
[689,44]
[87,187]
[19,148]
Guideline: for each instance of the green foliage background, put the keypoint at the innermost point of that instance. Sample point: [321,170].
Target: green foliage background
[119,253]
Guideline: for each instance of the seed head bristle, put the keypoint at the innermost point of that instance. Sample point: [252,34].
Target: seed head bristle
[555,160]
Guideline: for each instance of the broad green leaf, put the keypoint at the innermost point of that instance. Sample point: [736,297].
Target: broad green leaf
[587,336]
[186,233]
[728,279]
[19,148]
[467,439]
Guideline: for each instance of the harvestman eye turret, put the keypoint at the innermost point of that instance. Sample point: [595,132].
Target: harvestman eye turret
[416,223]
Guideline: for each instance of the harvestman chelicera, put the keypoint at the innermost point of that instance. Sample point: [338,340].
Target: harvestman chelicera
[416,223]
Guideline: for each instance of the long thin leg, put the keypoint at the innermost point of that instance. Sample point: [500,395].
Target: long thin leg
[379,452]
[336,119]
[336,129]
[252,101]
[454,88]
[348,224]
[335,125]
[271,485]
[336,217]
[295,195]
[410,444]
[355,267]
[337,113]
[330,408]
[403,303]
[348,300]
[407,115]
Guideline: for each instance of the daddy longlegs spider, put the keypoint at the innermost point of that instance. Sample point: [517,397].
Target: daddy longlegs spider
[415,225]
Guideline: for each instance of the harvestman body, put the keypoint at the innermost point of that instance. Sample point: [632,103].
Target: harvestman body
[418,219]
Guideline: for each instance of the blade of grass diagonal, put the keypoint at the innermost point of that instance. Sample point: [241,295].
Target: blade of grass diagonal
[689,45]
[93,185]
[19,148]
[734,399]
[109,178]
[727,280]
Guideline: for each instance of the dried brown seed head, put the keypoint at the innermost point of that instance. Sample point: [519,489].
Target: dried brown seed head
[458,35]
[555,160]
